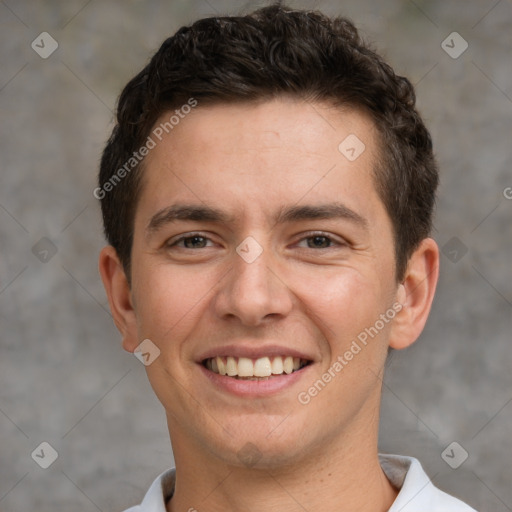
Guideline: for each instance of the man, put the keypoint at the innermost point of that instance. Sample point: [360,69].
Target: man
[267,194]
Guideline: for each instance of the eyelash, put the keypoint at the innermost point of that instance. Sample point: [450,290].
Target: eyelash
[310,235]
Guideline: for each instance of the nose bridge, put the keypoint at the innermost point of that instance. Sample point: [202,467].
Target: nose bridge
[251,280]
[251,271]
[252,291]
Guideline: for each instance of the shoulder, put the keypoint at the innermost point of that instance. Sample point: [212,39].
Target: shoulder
[158,494]
[417,492]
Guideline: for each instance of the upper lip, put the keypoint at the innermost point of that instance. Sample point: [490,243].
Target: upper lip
[252,352]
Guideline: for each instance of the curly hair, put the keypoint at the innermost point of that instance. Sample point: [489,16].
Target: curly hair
[271,52]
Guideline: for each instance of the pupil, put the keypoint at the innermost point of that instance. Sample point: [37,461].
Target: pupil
[194,240]
[320,241]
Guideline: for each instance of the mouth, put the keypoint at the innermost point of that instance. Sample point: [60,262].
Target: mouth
[263,368]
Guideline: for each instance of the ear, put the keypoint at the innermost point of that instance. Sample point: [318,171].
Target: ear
[416,293]
[119,296]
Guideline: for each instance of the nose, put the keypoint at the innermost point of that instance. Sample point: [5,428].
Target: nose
[253,291]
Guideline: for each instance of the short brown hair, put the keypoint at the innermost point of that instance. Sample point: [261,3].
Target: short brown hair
[271,52]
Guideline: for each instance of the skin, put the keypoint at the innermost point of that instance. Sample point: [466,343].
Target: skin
[312,295]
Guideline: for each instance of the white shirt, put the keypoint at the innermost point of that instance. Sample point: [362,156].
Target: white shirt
[417,493]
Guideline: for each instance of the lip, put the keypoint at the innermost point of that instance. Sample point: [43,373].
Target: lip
[253,352]
[254,388]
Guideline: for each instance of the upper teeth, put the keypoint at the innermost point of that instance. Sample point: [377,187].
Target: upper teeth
[262,367]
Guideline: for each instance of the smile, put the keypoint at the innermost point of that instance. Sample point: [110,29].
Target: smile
[263,368]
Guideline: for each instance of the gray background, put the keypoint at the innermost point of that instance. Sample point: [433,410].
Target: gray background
[64,378]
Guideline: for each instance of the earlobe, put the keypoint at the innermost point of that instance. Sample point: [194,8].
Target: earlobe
[119,296]
[416,294]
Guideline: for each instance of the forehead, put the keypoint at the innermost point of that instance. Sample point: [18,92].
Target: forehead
[263,124]
[250,155]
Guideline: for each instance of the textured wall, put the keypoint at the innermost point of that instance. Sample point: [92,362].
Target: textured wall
[64,378]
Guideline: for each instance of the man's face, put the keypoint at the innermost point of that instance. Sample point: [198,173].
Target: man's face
[202,292]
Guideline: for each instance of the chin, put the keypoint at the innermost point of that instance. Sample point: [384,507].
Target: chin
[261,448]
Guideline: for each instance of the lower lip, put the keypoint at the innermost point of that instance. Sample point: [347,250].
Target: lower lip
[254,388]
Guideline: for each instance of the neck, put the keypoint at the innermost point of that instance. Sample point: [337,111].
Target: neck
[344,477]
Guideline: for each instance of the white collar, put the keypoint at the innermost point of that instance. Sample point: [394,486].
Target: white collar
[417,492]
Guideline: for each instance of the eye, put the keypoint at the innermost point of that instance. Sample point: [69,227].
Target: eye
[199,241]
[191,241]
[320,241]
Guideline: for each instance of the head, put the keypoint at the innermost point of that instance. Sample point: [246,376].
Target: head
[248,118]
[274,52]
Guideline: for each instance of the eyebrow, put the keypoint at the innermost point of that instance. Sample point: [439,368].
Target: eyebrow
[322,211]
[202,213]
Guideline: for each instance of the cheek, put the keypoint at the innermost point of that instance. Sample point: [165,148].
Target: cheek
[170,298]
[343,301]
